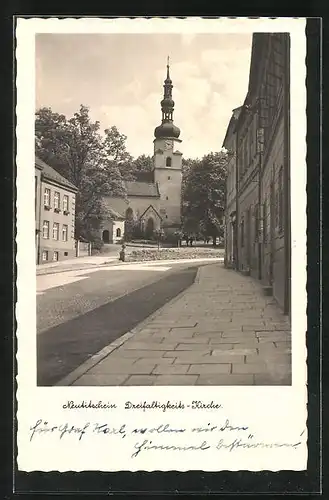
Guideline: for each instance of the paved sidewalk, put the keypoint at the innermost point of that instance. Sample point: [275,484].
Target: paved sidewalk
[220,331]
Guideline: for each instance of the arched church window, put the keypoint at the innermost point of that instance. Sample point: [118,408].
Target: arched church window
[168,162]
[129,214]
[118,233]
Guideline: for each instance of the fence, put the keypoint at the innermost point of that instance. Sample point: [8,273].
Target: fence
[82,248]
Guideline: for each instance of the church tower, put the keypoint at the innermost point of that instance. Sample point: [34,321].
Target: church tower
[168,162]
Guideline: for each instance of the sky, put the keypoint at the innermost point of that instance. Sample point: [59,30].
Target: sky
[120,78]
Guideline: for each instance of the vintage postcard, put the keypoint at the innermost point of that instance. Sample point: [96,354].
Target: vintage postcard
[161,244]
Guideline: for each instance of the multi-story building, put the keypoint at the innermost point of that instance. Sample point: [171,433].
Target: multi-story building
[55,214]
[229,144]
[262,133]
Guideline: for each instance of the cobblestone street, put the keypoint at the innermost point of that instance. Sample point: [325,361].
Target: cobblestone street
[220,331]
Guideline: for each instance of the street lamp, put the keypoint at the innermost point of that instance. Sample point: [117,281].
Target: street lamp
[159,233]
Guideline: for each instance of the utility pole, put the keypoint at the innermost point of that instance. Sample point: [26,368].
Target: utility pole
[260,146]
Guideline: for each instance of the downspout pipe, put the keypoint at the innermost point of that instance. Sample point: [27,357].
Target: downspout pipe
[287,204]
[259,195]
[237,205]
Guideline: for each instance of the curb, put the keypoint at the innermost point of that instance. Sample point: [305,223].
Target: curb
[103,353]
[140,262]
[80,268]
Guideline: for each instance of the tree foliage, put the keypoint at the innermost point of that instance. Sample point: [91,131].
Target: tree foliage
[143,163]
[75,148]
[203,194]
[117,154]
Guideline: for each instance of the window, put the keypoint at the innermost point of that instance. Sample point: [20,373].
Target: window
[169,177]
[66,254]
[45,229]
[44,256]
[55,256]
[118,233]
[55,230]
[168,162]
[65,203]
[56,200]
[167,198]
[46,197]
[65,231]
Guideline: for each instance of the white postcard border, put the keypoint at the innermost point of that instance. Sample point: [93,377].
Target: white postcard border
[276,412]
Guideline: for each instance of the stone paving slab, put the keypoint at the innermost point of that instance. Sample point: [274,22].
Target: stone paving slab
[220,331]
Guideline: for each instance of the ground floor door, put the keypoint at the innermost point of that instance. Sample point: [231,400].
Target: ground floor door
[106,236]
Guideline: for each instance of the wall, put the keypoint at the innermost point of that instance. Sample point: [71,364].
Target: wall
[263,164]
[248,193]
[112,227]
[169,180]
[247,228]
[137,203]
[273,264]
[230,243]
[37,213]
[65,249]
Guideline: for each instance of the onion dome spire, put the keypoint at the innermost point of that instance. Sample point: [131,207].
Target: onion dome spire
[167,127]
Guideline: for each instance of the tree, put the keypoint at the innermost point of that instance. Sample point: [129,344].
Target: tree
[75,148]
[143,163]
[203,194]
[117,154]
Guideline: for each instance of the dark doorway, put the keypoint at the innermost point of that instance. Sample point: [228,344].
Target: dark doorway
[106,236]
[149,228]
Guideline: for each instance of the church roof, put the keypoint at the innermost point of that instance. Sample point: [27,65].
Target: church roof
[151,207]
[146,189]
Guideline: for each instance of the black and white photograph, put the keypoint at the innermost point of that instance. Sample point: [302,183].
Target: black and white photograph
[161,244]
[162,173]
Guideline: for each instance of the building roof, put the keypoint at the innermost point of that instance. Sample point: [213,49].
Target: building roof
[151,207]
[51,174]
[232,122]
[114,215]
[146,189]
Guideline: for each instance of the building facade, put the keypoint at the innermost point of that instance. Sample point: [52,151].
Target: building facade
[230,206]
[262,158]
[113,227]
[156,203]
[55,214]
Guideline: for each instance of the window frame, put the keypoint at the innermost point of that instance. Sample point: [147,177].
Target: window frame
[65,227]
[56,225]
[46,224]
[65,199]
[57,200]
[46,194]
